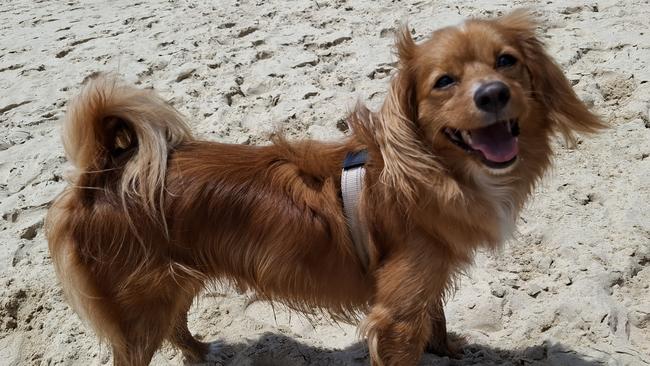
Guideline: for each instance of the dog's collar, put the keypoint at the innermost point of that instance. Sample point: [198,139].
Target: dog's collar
[351,189]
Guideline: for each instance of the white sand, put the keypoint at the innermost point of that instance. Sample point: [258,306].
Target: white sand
[570,289]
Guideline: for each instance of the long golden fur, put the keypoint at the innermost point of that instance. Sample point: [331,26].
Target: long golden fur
[152,215]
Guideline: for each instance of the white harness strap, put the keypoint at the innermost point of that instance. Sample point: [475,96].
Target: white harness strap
[351,189]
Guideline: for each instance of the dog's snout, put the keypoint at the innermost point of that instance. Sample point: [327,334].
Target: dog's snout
[492,97]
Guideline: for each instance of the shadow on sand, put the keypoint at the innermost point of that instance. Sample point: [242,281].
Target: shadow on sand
[279,350]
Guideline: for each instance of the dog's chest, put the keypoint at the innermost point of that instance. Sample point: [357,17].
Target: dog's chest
[502,206]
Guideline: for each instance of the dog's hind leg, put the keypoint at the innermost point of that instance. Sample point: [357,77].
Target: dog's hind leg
[140,346]
[181,337]
[144,327]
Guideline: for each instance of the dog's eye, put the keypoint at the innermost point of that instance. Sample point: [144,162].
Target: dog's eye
[506,60]
[443,81]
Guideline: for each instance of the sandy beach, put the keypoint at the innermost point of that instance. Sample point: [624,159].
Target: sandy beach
[572,287]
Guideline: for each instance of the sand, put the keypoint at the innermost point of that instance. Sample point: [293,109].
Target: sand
[570,289]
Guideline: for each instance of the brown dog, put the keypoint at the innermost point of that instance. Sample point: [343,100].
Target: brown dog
[153,215]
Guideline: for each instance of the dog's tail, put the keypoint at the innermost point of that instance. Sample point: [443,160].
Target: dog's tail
[118,138]
[116,133]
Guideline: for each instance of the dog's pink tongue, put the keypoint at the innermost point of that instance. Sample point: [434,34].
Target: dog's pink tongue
[495,142]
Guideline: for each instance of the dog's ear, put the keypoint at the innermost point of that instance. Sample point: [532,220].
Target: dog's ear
[551,88]
[403,85]
[405,45]
[408,164]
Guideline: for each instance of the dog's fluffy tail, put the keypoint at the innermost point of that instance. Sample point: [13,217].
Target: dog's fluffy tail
[116,132]
[118,138]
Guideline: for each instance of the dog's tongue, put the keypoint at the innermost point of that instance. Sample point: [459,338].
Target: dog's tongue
[495,142]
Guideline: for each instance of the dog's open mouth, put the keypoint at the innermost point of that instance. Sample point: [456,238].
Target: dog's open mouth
[496,144]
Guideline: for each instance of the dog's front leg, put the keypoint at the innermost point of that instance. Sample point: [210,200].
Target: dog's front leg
[400,324]
[439,343]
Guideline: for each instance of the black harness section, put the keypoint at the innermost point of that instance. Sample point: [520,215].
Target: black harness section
[355,159]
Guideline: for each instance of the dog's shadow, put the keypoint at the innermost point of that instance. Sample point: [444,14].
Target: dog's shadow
[272,349]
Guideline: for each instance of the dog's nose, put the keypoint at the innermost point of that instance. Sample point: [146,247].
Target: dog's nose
[492,97]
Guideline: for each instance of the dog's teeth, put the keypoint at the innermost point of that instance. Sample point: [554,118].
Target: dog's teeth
[466,136]
[452,134]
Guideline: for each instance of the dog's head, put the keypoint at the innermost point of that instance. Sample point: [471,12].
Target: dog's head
[485,95]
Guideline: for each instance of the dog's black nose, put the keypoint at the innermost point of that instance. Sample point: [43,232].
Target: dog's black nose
[492,97]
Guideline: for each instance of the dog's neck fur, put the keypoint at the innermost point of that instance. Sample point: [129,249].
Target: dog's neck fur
[441,207]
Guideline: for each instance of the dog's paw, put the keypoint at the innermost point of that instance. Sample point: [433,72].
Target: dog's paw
[451,347]
[455,346]
[215,356]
